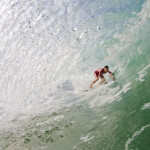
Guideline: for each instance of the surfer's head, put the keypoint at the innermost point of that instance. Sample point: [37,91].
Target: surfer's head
[106,68]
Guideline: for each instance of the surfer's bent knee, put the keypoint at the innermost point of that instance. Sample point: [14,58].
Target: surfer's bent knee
[97,79]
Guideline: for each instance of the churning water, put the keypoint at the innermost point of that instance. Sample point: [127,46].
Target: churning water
[48,52]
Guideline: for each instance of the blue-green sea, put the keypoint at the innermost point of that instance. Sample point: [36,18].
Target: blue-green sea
[49,50]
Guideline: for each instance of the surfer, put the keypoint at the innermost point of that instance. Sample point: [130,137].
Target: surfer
[99,74]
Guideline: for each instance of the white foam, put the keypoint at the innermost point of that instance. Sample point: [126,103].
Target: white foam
[146,106]
[135,135]
[105,117]
[142,73]
[108,95]
[86,138]
[57,118]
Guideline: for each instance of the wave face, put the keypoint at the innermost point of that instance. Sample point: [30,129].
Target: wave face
[49,50]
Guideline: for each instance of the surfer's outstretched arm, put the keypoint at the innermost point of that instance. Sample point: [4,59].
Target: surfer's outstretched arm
[112,75]
[94,82]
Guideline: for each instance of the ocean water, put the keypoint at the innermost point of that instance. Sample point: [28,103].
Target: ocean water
[48,52]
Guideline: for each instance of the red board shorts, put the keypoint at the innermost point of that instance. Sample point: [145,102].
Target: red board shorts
[96,73]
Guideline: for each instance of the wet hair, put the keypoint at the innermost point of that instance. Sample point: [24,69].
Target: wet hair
[106,67]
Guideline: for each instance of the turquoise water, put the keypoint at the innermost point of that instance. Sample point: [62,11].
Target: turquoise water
[49,51]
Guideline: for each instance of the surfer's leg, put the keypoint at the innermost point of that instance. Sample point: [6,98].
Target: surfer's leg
[94,82]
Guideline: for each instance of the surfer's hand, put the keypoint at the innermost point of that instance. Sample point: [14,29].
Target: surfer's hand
[113,78]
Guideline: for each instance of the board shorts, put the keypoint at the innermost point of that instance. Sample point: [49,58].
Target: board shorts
[96,73]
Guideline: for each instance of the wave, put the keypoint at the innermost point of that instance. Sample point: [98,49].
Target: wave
[49,51]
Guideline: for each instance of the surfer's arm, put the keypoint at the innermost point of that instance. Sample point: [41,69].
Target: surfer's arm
[111,75]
